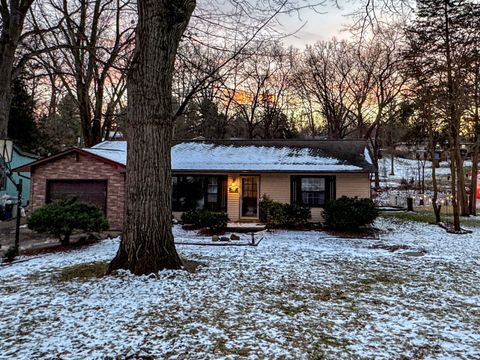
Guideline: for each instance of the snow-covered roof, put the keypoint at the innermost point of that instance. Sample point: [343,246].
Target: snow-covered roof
[257,155]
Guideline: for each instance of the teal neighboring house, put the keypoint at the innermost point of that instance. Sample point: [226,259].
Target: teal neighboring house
[19,158]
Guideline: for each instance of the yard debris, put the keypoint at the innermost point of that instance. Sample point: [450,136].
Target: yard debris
[414,253]
[391,248]
[397,247]
[234,237]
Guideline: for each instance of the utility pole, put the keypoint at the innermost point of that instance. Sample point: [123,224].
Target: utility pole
[19,186]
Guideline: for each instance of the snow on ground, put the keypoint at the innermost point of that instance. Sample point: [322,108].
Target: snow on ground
[298,295]
[410,169]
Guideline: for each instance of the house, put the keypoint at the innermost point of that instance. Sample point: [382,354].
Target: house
[223,175]
[19,158]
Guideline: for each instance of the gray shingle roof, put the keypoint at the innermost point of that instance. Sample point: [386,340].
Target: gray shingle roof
[258,155]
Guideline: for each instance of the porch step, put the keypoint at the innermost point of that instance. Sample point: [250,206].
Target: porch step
[245,227]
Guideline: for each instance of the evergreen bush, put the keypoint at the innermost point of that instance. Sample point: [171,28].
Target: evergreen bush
[349,213]
[214,221]
[61,218]
[280,215]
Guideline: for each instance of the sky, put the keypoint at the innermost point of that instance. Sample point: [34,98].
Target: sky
[319,26]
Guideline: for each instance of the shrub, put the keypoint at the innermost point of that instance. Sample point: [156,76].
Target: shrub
[214,221]
[349,213]
[296,216]
[191,217]
[10,254]
[280,215]
[62,217]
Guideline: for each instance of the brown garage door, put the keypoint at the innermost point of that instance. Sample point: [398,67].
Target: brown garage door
[89,191]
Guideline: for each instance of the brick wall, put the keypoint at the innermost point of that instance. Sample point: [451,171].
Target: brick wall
[82,167]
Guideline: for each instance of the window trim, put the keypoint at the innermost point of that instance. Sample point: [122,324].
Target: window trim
[296,189]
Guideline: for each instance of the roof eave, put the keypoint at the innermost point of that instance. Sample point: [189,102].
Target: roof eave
[223,171]
[28,167]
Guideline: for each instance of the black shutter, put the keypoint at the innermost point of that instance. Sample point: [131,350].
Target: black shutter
[294,189]
[222,193]
[332,188]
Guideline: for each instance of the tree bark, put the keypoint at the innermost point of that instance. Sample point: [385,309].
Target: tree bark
[476,141]
[454,125]
[474,182]
[13,18]
[147,245]
[462,194]
[431,144]
[5,94]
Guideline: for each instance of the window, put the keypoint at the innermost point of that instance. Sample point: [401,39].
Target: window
[212,191]
[199,192]
[313,191]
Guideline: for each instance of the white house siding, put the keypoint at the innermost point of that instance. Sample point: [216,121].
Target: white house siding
[352,185]
[233,198]
[276,186]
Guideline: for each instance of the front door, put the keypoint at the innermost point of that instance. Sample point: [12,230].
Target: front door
[249,203]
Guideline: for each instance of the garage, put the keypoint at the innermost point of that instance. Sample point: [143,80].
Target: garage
[88,191]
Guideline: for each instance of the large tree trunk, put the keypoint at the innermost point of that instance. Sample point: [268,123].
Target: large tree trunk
[473,184]
[453,118]
[147,245]
[14,16]
[476,142]
[462,194]
[431,144]
[454,184]
[5,94]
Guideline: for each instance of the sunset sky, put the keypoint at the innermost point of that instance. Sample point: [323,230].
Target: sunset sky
[321,26]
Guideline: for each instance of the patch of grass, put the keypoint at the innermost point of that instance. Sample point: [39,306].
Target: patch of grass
[384,279]
[328,294]
[221,347]
[427,216]
[9,290]
[293,310]
[424,217]
[192,265]
[84,271]
[325,341]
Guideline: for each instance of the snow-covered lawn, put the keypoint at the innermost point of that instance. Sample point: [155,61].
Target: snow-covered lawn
[407,169]
[298,295]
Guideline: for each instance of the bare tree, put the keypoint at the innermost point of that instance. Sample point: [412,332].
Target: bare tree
[382,63]
[90,52]
[263,93]
[474,113]
[328,68]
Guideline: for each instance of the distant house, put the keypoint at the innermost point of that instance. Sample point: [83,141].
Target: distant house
[227,175]
[19,158]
